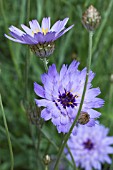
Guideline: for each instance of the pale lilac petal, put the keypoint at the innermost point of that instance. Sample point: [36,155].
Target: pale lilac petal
[27,30]
[34,25]
[63,71]
[46,23]
[16,36]
[56,121]
[13,39]
[63,128]
[39,90]
[91,123]
[42,102]
[39,37]
[59,25]
[64,120]
[16,30]
[93,113]
[107,159]
[25,38]
[96,103]
[49,37]
[73,67]
[108,140]
[96,165]
[52,71]
[109,149]
[29,39]
[63,32]
[45,114]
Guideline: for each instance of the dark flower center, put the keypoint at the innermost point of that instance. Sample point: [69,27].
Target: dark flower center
[88,144]
[67,99]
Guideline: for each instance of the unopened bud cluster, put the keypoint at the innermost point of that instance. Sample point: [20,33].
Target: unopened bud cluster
[83,118]
[91,18]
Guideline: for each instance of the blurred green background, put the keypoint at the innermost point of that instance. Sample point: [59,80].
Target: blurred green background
[13,60]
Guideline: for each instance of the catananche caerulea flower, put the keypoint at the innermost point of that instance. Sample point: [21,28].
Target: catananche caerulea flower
[90,147]
[62,92]
[39,38]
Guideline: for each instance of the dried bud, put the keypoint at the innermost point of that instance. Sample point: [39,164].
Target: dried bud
[34,116]
[83,118]
[91,18]
[47,159]
[43,50]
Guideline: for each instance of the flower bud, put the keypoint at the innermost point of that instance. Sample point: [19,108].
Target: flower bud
[83,118]
[91,18]
[47,159]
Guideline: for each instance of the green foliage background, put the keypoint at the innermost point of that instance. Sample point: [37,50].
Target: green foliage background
[13,59]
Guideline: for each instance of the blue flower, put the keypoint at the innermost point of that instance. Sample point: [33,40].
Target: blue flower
[90,147]
[39,38]
[62,92]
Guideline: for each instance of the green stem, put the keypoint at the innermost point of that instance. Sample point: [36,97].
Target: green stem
[74,164]
[9,43]
[55,146]
[7,133]
[81,103]
[45,64]
[27,58]
[102,26]
[46,167]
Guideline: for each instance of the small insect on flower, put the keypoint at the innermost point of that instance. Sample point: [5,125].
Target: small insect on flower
[39,38]
[83,118]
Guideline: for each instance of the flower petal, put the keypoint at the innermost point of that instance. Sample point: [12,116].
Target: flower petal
[59,25]
[42,102]
[63,32]
[39,90]
[13,39]
[27,30]
[16,30]
[34,25]
[45,114]
[46,23]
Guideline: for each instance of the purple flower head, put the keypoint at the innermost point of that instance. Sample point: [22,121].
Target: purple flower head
[90,147]
[62,92]
[39,38]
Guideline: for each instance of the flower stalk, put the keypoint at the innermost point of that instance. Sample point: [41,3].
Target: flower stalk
[7,133]
[45,64]
[81,103]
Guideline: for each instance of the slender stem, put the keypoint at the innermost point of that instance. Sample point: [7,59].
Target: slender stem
[46,167]
[27,58]
[45,64]
[7,133]
[81,103]
[52,143]
[103,25]
[11,48]
[74,164]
